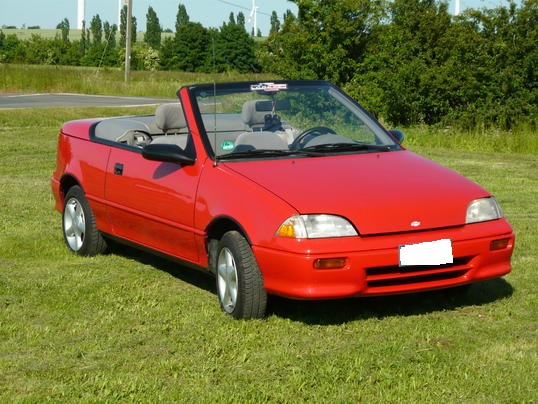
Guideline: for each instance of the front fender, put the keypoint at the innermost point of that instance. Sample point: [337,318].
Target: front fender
[224,193]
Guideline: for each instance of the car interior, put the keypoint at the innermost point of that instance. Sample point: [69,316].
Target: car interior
[167,126]
[255,128]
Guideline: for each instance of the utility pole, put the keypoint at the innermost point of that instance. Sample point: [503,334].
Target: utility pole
[128,40]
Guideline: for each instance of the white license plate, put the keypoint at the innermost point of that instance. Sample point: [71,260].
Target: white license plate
[437,252]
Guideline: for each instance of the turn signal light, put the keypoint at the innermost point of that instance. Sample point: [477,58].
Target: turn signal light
[329,263]
[499,244]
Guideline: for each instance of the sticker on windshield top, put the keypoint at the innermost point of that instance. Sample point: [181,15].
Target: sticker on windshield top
[227,145]
[268,87]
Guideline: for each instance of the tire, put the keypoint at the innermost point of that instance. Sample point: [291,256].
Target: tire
[78,225]
[240,287]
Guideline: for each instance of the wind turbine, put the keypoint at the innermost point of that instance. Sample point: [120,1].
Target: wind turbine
[253,17]
[457,8]
[81,10]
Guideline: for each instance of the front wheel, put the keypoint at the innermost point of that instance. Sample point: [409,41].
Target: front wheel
[78,224]
[239,281]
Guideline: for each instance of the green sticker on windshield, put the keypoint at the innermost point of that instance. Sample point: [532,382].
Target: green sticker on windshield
[228,145]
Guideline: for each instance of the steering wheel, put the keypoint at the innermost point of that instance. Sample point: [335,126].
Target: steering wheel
[301,140]
[135,137]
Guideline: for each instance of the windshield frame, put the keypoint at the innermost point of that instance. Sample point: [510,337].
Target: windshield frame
[210,91]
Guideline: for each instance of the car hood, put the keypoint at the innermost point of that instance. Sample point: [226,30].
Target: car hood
[379,193]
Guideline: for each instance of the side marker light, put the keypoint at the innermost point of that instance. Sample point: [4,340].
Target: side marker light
[330,263]
[499,244]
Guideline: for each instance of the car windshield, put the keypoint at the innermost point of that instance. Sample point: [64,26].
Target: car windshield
[278,119]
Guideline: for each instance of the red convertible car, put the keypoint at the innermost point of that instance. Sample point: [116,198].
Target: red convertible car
[287,188]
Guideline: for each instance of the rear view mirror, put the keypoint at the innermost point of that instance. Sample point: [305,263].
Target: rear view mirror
[267,106]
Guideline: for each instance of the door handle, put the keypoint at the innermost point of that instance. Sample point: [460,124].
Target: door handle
[118,169]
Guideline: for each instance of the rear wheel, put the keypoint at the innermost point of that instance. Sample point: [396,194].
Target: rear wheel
[78,224]
[239,281]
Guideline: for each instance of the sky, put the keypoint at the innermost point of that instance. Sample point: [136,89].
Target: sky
[210,13]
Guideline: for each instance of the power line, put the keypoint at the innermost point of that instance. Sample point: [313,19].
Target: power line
[241,7]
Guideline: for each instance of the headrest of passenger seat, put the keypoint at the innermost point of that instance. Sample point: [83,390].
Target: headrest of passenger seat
[252,115]
[169,117]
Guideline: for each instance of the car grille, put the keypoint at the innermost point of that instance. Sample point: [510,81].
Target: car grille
[380,277]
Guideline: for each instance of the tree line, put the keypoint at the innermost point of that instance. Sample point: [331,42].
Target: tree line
[411,62]
[191,47]
[407,61]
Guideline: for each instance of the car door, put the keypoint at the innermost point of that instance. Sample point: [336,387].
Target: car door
[152,203]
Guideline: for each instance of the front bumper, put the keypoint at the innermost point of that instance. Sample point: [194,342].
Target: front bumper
[371,263]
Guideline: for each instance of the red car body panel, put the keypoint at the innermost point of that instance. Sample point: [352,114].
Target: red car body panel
[378,190]
[168,207]
[372,264]
[146,206]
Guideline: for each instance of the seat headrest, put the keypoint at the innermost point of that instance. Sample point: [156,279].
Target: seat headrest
[170,117]
[252,115]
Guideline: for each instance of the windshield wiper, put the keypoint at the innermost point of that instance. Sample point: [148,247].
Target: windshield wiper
[257,153]
[345,147]
[312,151]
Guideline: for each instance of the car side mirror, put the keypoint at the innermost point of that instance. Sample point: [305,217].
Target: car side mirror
[171,153]
[398,134]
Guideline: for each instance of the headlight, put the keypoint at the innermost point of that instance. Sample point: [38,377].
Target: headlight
[482,210]
[315,226]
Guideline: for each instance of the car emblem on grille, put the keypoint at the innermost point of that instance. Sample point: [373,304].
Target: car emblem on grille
[415,223]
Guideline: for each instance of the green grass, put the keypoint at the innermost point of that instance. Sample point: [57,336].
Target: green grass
[91,80]
[74,34]
[131,327]
[24,34]
[523,139]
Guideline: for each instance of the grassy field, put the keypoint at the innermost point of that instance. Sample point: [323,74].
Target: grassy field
[25,34]
[92,80]
[131,327]
[74,34]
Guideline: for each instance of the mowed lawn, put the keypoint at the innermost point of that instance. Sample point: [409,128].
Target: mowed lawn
[131,327]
